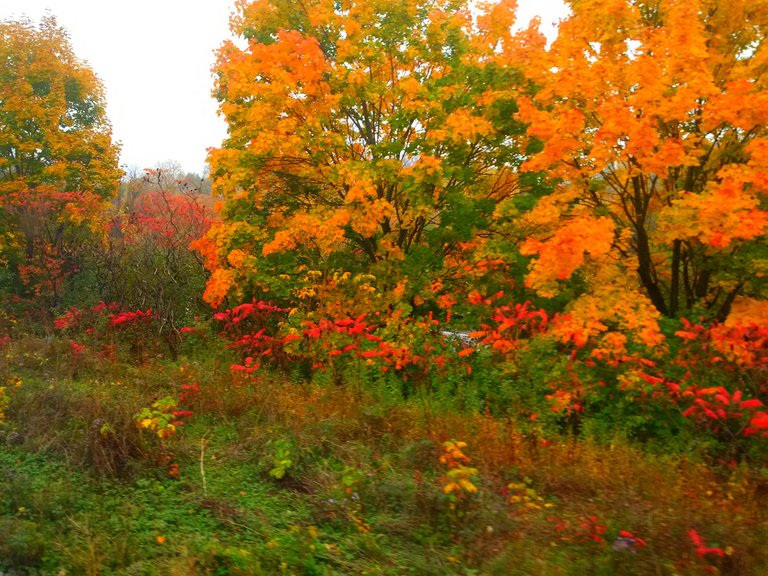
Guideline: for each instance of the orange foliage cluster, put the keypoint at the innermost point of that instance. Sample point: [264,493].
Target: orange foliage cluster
[651,115]
[377,176]
[342,156]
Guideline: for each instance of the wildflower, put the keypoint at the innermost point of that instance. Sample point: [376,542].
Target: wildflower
[627,541]
[701,548]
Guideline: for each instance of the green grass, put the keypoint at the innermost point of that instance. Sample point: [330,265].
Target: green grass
[55,518]
[59,515]
[83,490]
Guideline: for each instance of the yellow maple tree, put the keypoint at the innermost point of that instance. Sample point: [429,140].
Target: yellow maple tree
[364,136]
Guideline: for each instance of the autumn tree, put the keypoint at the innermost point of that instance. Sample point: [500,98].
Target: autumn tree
[370,142]
[57,158]
[54,128]
[168,176]
[147,260]
[652,118]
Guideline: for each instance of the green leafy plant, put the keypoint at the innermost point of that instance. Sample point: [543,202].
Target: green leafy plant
[282,460]
[160,418]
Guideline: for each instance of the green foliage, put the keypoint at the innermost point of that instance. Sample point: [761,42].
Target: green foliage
[362,487]
[282,450]
[159,418]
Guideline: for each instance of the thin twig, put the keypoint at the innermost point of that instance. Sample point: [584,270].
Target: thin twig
[202,464]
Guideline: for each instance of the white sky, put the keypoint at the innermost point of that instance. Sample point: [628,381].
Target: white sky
[154,58]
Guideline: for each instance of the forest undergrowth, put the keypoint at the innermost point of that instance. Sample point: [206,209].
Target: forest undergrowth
[182,467]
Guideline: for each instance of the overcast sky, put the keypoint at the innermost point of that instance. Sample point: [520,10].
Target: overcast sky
[154,58]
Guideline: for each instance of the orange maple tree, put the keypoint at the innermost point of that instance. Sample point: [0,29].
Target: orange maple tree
[420,164]
[369,142]
[651,117]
